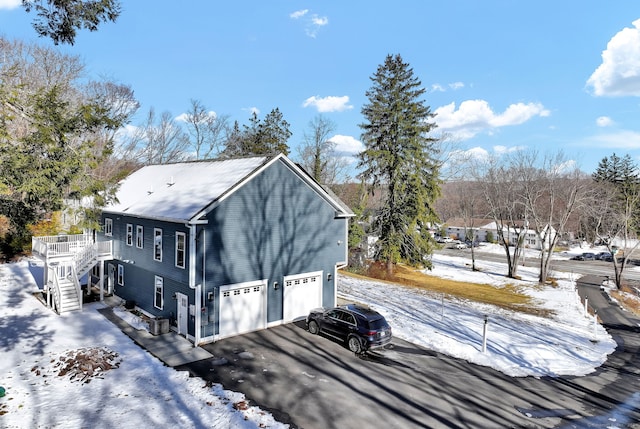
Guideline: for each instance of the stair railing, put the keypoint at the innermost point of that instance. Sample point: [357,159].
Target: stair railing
[53,289]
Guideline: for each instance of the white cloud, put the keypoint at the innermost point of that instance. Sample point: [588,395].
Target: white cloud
[436,87]
[475,116]
[328,104]
[320,21]
[298,13]
[501,150]
[347,145]
[312,23]
[619,73]
[627,140]
[10,4]
[184,116]
[604,121]
[252,110]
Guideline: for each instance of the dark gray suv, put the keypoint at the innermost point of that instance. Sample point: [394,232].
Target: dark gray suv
[361,328]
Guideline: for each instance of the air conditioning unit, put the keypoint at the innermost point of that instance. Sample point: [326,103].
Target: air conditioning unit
[158,326]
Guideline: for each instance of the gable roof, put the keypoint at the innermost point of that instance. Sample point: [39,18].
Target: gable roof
[185,191]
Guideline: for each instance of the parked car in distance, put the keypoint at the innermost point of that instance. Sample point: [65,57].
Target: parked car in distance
[461,245]
[604,256]
[585,257]
[444,239]
[361,328]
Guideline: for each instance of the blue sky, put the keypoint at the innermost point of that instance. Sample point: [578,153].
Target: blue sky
[501,75]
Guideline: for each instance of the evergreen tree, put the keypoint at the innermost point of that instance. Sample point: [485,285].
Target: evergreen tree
[268,137]
[621,172]
[400,156]
[45,165]
[60,19]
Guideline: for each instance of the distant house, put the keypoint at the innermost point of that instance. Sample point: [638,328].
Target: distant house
[462,230]
[220,248]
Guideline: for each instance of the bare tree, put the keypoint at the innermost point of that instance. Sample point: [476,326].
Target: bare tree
[502,189]
[553,189]
[157,141]
[207,130]
[318,154]
[614,216]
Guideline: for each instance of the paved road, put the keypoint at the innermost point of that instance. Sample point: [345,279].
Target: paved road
[312,382]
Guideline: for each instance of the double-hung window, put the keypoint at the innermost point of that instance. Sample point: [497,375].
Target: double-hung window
[129,234]
[157,244]
[181,245]
[108,226]
[120,275]
[139,236]
[158,297]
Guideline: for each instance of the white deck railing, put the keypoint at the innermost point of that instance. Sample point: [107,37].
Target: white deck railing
[55,246]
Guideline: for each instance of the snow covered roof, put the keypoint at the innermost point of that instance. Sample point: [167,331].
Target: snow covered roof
[179,191]
[184,191]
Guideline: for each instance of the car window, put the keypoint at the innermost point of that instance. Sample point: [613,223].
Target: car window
[376,324]
[349,318]
[334,314]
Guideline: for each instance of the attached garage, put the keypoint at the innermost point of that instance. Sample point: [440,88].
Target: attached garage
[243,308]
[302,292]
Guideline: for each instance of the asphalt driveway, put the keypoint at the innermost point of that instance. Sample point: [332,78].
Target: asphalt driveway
[314,382]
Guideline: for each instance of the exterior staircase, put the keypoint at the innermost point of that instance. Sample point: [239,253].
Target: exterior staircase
[67,258]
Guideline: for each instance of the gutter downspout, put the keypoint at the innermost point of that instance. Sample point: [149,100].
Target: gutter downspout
[193,232]
[342,265]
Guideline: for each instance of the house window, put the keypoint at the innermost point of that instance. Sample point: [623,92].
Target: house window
[129,234]
[181,241]
[139,236]
[158,299]
[108,226]
[120,275]
[157,244]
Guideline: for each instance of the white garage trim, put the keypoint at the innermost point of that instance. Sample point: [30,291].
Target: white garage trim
[302,292]
[243,308]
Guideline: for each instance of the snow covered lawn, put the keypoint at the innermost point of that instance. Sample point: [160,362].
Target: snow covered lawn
[517,344]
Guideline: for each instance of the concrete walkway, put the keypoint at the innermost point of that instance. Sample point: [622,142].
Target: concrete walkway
[171,348]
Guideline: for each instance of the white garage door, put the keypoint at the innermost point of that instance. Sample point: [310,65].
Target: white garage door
[243,308]
[302,292]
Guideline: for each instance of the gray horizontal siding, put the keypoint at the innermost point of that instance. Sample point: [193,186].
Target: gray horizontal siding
[275,225]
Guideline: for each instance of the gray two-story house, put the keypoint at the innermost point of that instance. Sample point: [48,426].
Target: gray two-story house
[225,247]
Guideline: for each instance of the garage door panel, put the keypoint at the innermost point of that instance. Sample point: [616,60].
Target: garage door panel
[242,308]
[302,292]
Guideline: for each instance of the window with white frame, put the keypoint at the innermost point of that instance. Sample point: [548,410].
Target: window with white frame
[158,298]
[139,236]
[181,243]
[120,275]
[108,226]
[157,244]
[129,234]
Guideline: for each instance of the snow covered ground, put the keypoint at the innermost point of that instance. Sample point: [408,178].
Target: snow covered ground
[571,343]
[132,389]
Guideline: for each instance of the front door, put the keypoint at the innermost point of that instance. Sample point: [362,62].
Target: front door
[182,313]
[111,279]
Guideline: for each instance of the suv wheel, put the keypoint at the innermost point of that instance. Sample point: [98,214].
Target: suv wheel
[354,344]
[313,327]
